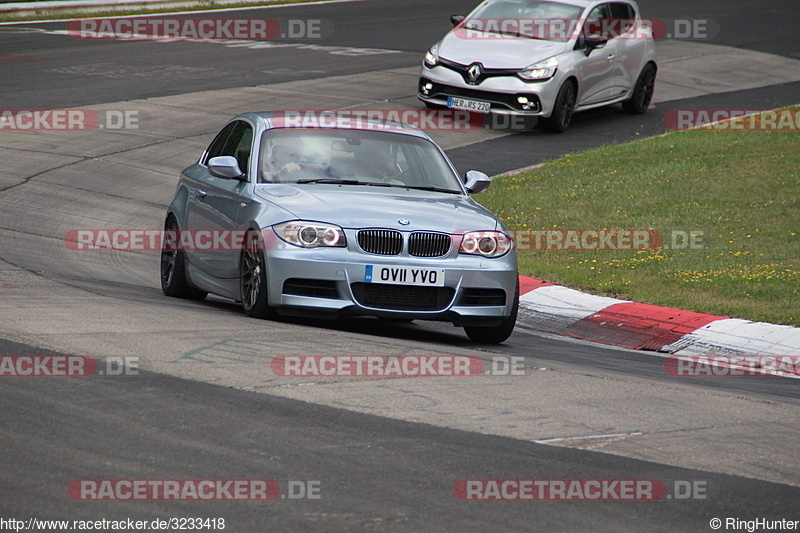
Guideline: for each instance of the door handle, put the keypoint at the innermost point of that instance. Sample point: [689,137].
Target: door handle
[611,57]
[201,194]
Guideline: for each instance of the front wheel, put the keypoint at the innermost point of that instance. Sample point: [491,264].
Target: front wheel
[173,266]
[496,334]
[560,118]
[642,91]
[253,279]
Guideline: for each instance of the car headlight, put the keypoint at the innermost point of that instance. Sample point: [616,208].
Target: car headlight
[486,243]
[432,56]
[542,70]
[310,234]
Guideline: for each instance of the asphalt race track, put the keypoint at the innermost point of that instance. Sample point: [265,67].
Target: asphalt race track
[386,453]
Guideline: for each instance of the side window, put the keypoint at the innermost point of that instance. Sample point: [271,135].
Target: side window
[623,17]
[598,23]
[235,140]
[241,149]
[215,149]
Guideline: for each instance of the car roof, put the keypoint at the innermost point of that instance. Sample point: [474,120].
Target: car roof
[586,3]
[327,120]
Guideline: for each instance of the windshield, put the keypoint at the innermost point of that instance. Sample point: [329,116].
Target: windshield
[533,19]
[353,157]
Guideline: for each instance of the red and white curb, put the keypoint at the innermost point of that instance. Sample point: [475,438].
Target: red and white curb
[557,309]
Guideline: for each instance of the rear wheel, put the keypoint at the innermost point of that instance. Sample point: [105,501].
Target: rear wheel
[253,278]
[173,266]
[560,118]
[642,91]
[496,334]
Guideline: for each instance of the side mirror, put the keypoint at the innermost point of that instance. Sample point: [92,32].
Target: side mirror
[476,181]
[225,166]
[455,20]
[593,43]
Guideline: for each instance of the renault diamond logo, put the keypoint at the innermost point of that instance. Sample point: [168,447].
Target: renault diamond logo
[474,72]
[403,221]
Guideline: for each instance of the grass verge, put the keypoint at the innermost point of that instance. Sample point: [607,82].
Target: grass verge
[739,189]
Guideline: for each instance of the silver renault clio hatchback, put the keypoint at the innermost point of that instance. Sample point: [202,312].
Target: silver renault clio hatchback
[543,58]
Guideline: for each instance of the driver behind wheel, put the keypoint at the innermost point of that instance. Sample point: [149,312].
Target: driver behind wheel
[377,162]
[284,157]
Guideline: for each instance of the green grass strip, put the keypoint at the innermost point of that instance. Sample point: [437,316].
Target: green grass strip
[741,189]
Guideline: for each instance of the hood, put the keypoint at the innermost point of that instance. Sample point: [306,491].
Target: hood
[497,51]
[354,207]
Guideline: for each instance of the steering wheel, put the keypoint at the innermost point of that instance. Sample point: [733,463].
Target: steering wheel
[292,172]
[398,178]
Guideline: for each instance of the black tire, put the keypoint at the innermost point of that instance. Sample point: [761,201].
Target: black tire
[559,120]
[642,91]
[253,278]
[173,266]
[496,334]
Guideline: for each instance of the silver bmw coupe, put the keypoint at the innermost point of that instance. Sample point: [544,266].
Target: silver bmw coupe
[355,217]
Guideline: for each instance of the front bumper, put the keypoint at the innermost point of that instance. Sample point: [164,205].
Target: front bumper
[502,92]
[331,281]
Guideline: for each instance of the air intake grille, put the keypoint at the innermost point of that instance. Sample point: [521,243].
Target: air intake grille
[318,288]
[380,241]
[429,244]
[402,297]
[483,297]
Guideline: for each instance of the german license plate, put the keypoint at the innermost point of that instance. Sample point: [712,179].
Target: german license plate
[399,275]
[469,105]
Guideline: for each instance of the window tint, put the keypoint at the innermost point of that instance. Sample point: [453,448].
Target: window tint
[215,149]
[623,16]
[235,140]
[241,141]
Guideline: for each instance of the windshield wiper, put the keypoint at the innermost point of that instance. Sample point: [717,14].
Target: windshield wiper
[334,181]
[430,188]
[337,181]
[516,34]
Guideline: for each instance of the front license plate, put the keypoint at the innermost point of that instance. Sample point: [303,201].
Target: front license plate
[469,105]
[398,275]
